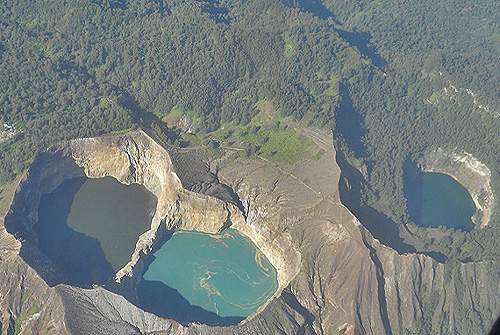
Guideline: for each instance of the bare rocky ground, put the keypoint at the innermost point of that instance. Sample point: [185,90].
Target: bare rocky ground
[334,277]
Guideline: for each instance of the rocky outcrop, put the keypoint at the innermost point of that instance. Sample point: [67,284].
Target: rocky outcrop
[27,304]
[334,277]
[468,171]
[348,281]
[130,158]
[437,297]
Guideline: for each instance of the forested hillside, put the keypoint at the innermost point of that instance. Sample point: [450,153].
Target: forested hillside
[81,68]
[435,85]
[392,78]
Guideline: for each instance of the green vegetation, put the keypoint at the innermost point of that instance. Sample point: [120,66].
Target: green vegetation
[282,146]
[272,142]
[391,78]
[289,46]
[239,62]
[175,112]
[430,76]
[142,63]
[121,131]
[35,308]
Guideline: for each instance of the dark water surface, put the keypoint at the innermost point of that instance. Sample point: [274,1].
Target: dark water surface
[215,279]
[89,227]
[436,199]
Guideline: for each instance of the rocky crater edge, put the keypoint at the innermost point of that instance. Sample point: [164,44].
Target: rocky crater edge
[334,276]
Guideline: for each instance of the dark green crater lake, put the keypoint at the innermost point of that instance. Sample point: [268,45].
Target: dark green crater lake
[436,199]
[216,279]
[89,227]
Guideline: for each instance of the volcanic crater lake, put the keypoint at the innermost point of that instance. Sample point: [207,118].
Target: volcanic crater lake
[216,279]
[89,227]
[436,199]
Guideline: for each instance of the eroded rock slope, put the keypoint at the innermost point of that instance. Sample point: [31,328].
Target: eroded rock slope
[334,276]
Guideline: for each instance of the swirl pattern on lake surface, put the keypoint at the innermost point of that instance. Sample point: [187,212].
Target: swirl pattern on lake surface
[223,274]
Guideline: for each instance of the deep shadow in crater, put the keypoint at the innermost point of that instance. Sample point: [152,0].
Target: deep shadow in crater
[349,123]
[79,256]
[166,302]
[56,252]
[291,300]
[414,176]
[380,226]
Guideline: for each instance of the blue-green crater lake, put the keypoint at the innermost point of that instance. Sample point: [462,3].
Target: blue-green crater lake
[89,227]
[216,279]
[436,199]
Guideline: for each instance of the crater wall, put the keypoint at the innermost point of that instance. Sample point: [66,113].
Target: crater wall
[134,158]
[334,276]
[468,171]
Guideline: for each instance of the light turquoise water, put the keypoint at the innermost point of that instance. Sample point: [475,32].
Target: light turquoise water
[215,279]
[89,227]
[436,199]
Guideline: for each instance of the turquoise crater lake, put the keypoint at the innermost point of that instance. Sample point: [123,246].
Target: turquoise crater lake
[436,199]
[216,279]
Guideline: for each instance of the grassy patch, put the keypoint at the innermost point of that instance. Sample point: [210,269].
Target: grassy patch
[436,96]
[272,142]
[37,307]
[121,131]
[283,146]
[318,155]
[176,113]
[289,46]
[333,87]
[103,103]
[266,136]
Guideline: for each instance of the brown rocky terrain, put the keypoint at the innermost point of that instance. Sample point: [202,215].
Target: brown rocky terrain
[334,277]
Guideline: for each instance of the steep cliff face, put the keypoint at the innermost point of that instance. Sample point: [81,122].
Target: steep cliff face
[334,276]
[437,298]
[348,281]
[130,158]
[27,304]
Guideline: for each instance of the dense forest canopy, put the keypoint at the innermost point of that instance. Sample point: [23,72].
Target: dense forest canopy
[439,88]
[81,68]
[378,72]
[392,78]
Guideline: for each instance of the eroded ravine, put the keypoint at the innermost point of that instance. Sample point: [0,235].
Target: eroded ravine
[328,279]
